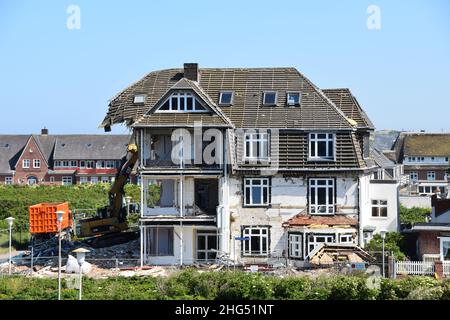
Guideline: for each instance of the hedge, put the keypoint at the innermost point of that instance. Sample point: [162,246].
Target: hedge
[193,285]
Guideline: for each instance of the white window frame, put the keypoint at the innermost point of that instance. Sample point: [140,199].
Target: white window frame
[264,185]
[255,232]
[289,93]
[221,96]
[441,246]
[110,164]
[36,163]
[66,180]
[206,251]
[152,248]
[197,106]
[100,164]
[346,238]
[265,93]
[329,238]
[94,180]
[413,175]
[26,163]
[104,179]
[254,145]
[431,175]
[139,98]
[377,203]
[295,245]
[313,138]
[315,208]
[52,179]
[84,180]
[8,180]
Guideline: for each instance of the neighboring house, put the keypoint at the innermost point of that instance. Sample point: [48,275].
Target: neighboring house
[291,168]
[60,159]
[426,159]
[433,238]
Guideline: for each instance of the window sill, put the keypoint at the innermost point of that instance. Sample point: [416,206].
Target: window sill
[321,160]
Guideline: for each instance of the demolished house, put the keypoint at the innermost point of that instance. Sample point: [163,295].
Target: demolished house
[228,156]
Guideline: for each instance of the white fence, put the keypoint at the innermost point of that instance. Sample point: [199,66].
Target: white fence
[414,267]
[446,267]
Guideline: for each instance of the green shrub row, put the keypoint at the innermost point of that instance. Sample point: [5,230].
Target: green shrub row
[195,285]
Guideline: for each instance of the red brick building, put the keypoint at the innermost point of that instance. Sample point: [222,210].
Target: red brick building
[60,159]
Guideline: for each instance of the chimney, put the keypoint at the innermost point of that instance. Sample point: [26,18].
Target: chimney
[191,71]
[44,131]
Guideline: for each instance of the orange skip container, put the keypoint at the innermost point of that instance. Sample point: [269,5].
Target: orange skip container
[43,217]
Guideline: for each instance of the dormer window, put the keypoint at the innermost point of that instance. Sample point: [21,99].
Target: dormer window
[321,146]
[139,98]
[293,98]
[270,98]
[226,98]
[182,102]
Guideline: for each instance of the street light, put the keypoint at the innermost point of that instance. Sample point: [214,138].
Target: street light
[59,218]
[10,221]
[383,236]
[81,253]
[128,201]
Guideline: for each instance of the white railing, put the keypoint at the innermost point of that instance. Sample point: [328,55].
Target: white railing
[446,267]
[414,267]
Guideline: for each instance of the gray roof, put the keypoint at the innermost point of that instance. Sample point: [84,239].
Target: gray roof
[380,159]
[317,111]
[11,147]
[63,147]
[90,147]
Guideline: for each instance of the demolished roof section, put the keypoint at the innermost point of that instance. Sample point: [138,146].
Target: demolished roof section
[317,111]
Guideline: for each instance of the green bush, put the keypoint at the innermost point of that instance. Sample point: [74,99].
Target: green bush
[413,215]
[393,242]
[190,284]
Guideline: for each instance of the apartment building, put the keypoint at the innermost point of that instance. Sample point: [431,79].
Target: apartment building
[255,162]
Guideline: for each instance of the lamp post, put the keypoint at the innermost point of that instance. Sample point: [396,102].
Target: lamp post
[81,254]
[383,236]
[10,223]
[59,217]
[128,201]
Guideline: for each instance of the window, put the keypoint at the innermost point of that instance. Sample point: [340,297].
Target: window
[83,180]
[110,164]
[206,243]
[258,242]
[446,159]
[90,164]
[105,180]
[139,98]
[100,164]
[346,238]
[293,98]
[321,196]
[160,241]
[66,164]
[315,240]
[321,146]
[256,146]
[94,180]
[295,245]
[431,175]
[414,176]
[256,191]
[445,248]
[226,98]
[25,163]
[32,180]
[36,163]
[52,179]
[182,102]
[270,98]
[379,208]
[66,180]
[8,180]
[431,189]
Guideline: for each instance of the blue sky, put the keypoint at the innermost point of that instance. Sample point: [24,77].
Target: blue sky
[62,79]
